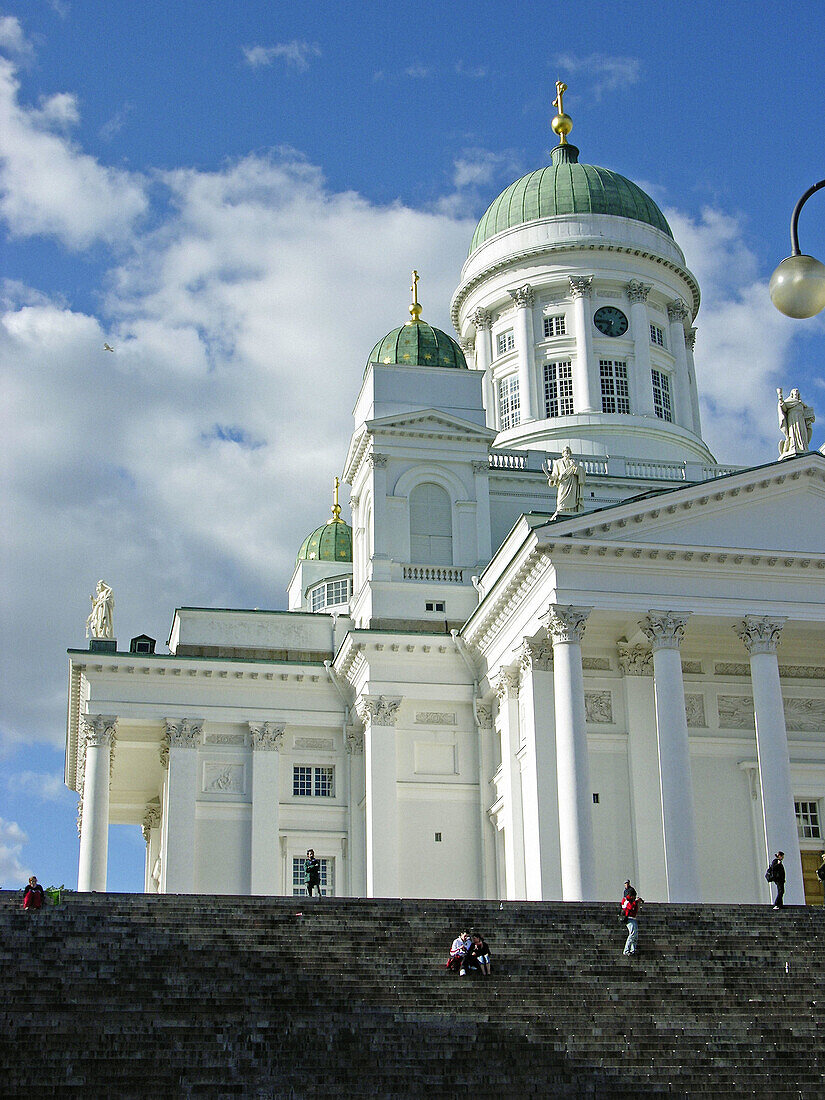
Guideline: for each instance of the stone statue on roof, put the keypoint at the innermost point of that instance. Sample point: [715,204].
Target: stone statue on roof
[796,421]
[567,476]
[100,623]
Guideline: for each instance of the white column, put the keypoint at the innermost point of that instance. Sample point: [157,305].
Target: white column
[690,344]
[151,834]
[636,664]
[481,483]
[506,688]
[526,350]
[542,860]
[379,714]
[379,536]
[565,625]
[482,320]
[586,386]
[760,635]
[665,630]
[355,811]
[267,740]
[98,735]
[677,314]
[182,738]
[484,719]
[642,398]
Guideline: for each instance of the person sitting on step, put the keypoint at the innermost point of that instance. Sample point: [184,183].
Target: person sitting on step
[33,894]
[478,956]
[460,947]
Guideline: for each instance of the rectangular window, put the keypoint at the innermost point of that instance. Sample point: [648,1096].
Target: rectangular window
[329,594]
[505,341]
[615,391]
[657,336]
[807,820]
[558,389]
[509,408]
[308,781]
[327,877]
[662,405]
[555,326]
[435,605]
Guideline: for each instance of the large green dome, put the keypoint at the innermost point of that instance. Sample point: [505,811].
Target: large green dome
[567,187]
[418,344]
[332,542]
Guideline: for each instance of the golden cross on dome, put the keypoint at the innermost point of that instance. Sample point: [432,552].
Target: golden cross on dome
[415,308]
[336,507]
[562,124]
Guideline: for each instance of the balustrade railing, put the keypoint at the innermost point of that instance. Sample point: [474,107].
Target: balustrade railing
[439,574]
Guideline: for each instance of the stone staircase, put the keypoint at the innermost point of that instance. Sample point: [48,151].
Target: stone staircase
[147,996]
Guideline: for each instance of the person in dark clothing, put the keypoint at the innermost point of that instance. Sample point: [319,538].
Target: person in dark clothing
[33,894]
[777,870]
[627,888]
[820,874]
[312,873]
[478,957]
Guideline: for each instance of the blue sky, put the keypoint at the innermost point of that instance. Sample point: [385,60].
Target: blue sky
[233,194]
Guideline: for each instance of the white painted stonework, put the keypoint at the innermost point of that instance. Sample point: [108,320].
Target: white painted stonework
[511,705]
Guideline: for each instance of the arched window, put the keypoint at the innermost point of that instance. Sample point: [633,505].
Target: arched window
[431,525]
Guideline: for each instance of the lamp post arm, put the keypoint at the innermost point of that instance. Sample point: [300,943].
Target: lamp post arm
[795,217]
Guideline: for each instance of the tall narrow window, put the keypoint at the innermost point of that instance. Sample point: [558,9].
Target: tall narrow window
[558,389]
[807,820]
[431,525]
[509,405]
[657,336]
[662,405]
[327,877]
[505,341]
[615,391]
[555,326]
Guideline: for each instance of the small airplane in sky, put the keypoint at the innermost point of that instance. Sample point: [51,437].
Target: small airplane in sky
[108,347]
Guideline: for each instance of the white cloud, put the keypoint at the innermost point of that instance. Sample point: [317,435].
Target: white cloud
[474,172]
[418,71]
[45,786]
[48,186]
[295,53]
[12,39]
[13,873]
[605,73]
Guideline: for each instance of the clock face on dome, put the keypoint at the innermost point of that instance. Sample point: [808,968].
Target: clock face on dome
[610,321]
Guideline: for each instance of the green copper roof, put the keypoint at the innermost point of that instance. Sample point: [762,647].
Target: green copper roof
[332,542]
[567,187]
[418,345]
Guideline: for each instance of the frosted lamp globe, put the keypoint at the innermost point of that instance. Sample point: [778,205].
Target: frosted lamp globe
[797,286]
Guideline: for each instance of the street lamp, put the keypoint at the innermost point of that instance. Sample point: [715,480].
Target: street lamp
[798,285]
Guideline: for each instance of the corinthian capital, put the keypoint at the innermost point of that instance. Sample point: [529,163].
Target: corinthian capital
[581,286]
[183,733]
[151,820]
[267,735]
[480,318]
[638,292]
[523,296]
[99,729]
[677,310]
[565,623]
[690,339]
[635,660]
[378,710]
[664,629]
[535,655]
[355,741]
[505,684]
[760,633]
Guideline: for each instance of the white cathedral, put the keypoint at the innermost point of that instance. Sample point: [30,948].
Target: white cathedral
[490,686]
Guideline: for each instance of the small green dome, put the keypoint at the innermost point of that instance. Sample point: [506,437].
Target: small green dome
[567,187]
[332,542]
[418,344]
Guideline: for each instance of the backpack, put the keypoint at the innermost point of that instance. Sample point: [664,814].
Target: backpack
[769,874]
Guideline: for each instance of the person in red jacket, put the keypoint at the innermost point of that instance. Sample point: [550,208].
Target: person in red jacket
[630,911]
[33,895]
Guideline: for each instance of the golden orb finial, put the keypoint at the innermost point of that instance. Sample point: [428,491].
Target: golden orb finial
[562,124]
[415,308]
[336,507]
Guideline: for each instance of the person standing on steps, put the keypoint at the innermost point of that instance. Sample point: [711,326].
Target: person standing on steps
[627,888]
[777,873]
[312,873]
[630,911]
[820,874]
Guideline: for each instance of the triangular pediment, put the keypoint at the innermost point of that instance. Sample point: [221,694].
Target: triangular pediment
[780,507]
[431,422]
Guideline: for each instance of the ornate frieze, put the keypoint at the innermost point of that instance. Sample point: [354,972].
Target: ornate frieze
[664,629]
[598,707]
[735,712]
[151,820]
[565,623]
[731,668]
[378,710]
[802,672]
[635,660]
[536,655]
[481,318]
[225,739]
[99,729]
[435,718]
[677,310]
[695,711]
[760,633]
[323,744]
[267,735]
[223,778]
[523,296]
[581,286]
[805,715]
[638,291]
[596,664]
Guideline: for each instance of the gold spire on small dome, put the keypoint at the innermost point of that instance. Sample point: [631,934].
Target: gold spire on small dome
[562,124]
[415,308]
[336,507]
